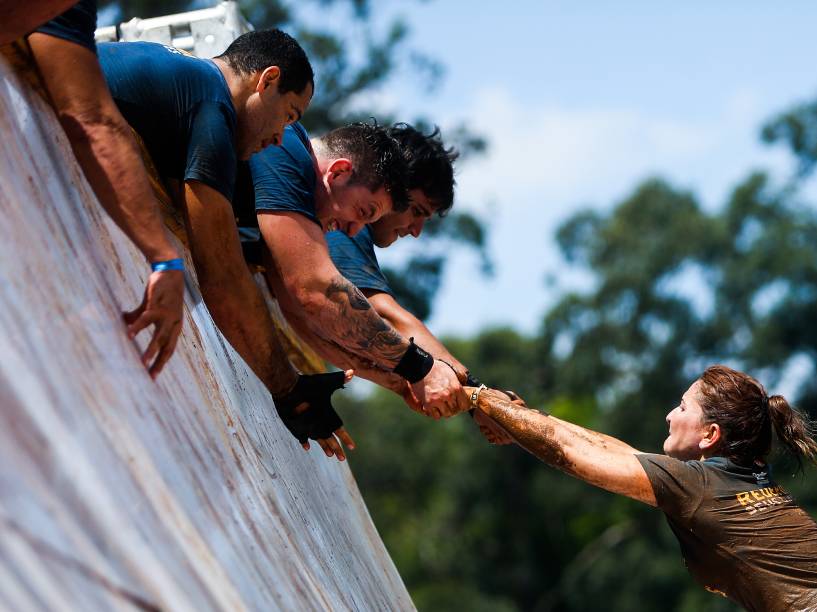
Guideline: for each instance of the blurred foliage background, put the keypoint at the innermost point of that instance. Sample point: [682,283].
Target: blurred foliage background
[675,288]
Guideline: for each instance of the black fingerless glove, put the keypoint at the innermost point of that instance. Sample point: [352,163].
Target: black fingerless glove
[318,421]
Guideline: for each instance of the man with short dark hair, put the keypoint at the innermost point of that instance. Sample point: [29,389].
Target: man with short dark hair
[197,118]
[430,183]
[305,189]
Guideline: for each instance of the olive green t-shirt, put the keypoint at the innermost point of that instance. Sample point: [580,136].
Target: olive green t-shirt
[741,535]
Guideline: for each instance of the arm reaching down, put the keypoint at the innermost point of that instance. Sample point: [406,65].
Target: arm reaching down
[596,458]
[104,146]
[231,295]
[337,311]
[342,358]
[410,326]
[239,310]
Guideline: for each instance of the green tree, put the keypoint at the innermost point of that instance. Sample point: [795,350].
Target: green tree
[675,289]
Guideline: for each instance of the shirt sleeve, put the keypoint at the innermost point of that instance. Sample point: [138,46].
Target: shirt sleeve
[284,178]
[678,485]
[75,25]
[356,260]
[211,156]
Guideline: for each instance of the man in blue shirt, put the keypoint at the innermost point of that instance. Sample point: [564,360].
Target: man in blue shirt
[342,181]
[197,118]
[104,146]
[430,183]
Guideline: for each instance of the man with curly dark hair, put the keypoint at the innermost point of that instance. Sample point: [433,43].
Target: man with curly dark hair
[430,184]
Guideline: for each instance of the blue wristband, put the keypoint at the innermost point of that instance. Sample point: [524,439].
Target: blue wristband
[170,264]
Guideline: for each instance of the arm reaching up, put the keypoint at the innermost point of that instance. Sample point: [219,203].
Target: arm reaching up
[596,458]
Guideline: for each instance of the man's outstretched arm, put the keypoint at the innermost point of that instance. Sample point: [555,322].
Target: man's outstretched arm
[231,295]
[336,310]
[596,458]
[105,148]
[410,326]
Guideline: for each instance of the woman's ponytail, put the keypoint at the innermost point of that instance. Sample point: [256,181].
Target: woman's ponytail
[794,430]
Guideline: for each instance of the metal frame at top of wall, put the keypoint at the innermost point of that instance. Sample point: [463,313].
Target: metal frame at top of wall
[204,33]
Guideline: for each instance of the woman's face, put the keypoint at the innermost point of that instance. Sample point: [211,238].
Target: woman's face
[686,427]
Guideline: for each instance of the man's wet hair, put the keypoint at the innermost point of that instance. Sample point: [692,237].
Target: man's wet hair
[377,159]
[430,164]
[256,51]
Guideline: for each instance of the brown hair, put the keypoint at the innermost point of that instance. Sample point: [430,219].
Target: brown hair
[746,415]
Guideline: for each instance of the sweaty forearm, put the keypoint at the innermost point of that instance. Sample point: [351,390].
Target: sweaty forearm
[102,141]
[231,294]
[243,317]
[110,159]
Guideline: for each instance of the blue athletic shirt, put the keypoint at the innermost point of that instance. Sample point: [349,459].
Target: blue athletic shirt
[284,177]
[355,258]
[180,106]
[75,25]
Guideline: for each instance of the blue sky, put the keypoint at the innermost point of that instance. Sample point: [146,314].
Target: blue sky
[581,101]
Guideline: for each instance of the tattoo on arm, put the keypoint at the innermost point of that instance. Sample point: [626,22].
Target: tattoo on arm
[355,296]
[356,326]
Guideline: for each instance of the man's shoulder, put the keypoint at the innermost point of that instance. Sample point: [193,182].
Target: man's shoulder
[137,51]
[295,142]
[294,154]
[166,68]
[362,240]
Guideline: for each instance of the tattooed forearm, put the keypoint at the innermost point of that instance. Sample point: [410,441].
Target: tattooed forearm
[340,357]
[351,323]
[354,295]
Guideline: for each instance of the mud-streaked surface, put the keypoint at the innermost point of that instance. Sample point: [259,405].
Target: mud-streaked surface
[120,493]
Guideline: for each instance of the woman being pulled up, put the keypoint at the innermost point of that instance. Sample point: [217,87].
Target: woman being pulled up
[741,534]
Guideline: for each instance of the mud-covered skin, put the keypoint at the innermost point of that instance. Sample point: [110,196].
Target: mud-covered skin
[594,457]
[532,430]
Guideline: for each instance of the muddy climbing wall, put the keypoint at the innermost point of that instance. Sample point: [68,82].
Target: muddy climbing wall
[120,493]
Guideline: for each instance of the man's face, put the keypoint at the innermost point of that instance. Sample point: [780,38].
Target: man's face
[686,427]
[351,206]
[396,225]
[267,112]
